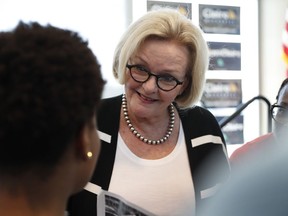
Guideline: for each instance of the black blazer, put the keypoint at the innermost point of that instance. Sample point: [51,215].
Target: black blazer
[205,144]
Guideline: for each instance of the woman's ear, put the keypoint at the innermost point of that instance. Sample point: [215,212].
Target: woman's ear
[86,148]
[183,87]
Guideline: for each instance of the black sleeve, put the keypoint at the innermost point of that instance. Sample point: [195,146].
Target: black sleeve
[83,203]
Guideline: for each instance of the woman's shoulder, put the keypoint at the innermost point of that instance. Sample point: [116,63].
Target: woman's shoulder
[252,147]
[108,115]
[109,108]
[110,103]
[113,99]
[200,119]
[195,112]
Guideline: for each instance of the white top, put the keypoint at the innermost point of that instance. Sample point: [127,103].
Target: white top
[163,186]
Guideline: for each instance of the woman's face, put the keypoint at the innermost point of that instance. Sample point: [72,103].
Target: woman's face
[160,57]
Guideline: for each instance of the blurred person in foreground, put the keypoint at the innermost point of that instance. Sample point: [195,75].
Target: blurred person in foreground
[259,177]
[160,151]
[50,90]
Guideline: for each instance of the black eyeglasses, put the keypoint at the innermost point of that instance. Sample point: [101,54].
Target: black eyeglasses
[141,75]
[279,113]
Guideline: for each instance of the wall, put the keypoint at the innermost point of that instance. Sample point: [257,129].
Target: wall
[100,22]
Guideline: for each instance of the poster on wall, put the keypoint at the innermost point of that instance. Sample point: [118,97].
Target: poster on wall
[233,131]
[183,8]
[220,93]
[224,56]
[216,19]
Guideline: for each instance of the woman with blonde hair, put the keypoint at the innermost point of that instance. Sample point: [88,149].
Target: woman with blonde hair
[160,151]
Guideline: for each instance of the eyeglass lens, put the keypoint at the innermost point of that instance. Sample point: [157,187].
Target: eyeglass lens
[165,83]
[280,114]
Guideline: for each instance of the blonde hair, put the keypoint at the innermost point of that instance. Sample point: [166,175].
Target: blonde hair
[170,25]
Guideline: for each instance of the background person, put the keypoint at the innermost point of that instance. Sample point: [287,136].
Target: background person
[161,152]
[50,89]
[279,113]
[258,182]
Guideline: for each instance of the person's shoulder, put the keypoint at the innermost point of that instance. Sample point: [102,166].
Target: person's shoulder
[260,139]
[195,111]
[250,148]
[109,105]
[110,101]
[256,143]
[108,114]
[200,119]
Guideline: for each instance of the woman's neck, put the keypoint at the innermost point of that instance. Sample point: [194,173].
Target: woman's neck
[31,194]
[22,205]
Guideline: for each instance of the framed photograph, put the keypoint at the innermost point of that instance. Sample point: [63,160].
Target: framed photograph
[182,7]
[220,93]
[225,56]
[219,19]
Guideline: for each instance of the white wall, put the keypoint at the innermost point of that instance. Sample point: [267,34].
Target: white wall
[101,22]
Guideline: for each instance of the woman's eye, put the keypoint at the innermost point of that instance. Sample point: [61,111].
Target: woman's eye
[167,78]
[140,68]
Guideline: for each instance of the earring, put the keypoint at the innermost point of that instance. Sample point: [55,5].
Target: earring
[89,154]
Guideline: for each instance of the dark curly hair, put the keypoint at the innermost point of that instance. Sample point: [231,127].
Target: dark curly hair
[50,86]
[283,84]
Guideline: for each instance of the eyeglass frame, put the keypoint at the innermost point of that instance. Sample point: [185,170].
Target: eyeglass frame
[271,112]
[152,74]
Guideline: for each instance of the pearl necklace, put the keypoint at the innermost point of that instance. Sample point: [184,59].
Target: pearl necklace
[138,135]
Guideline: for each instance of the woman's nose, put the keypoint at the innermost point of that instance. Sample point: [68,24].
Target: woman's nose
[151,84]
